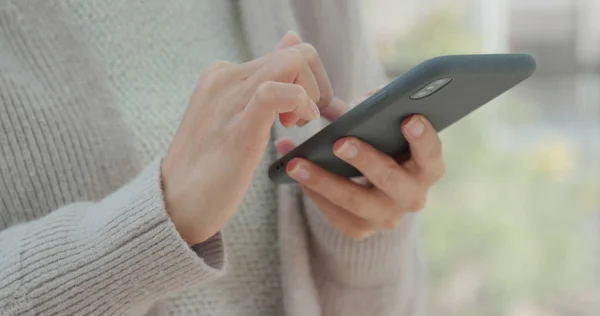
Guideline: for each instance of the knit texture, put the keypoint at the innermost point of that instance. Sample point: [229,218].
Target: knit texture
[91,92]
[90,95]
[153,52]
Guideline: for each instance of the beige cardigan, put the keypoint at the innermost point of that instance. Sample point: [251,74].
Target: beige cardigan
[121,252]
[324,273]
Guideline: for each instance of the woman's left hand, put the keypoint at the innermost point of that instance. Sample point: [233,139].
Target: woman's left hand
[393,188]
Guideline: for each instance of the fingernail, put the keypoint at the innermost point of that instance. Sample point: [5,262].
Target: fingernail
[315,110]
[415,126]
[348,150]
[301,123]
[300,172]
[290,32]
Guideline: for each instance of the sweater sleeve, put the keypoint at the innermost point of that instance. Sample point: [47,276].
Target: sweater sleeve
[107,258]
[384,274]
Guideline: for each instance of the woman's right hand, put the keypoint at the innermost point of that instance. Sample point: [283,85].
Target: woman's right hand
[226,128]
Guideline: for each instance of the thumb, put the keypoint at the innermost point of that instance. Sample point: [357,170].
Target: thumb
[288,40]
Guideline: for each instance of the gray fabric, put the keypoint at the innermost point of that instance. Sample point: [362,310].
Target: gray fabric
[137,79]
[90,95]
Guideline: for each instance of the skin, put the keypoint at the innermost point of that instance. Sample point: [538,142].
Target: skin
[227,126]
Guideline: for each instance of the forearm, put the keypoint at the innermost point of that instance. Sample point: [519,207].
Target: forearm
[100,258]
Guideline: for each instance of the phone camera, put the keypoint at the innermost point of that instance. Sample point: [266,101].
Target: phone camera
[430,88]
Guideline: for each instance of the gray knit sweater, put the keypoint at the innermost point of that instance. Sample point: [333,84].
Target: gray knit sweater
[90,95]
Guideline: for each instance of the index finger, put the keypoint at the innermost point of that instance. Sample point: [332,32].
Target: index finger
[314,64]
[287,66]
[335,109]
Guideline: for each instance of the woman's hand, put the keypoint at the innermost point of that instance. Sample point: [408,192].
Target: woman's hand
[393,188]
[226,128]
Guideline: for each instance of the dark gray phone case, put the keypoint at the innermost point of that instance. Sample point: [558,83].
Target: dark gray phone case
[475,80]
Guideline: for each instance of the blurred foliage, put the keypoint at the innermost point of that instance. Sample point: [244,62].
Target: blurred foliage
[438,33]
[515,219]
[507,231]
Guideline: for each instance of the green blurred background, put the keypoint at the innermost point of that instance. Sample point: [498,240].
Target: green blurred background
[514,227]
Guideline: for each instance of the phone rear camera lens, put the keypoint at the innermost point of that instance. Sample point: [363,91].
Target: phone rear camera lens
[421,94]
[431,88]
[441,82]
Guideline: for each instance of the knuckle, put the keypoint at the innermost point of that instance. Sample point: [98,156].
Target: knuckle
[358,231]
[311,56]
[294,59]
[217,66]
[359,234]
[430,146]
[309,51]
[436,150]
[214,74]
[300,93]
[416,203]
[438,172]
[390,175]
[393,221]
[352,201]
[265,92]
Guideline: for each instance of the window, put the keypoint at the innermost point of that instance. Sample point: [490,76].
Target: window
[513,228]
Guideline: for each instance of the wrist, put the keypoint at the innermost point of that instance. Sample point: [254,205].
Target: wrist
[187,227]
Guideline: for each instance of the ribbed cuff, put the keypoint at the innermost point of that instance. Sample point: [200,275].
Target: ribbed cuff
[389,300]
[106,257]
[385,259]
[211,251]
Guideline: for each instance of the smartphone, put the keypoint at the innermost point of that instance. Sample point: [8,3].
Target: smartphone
[443,89]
